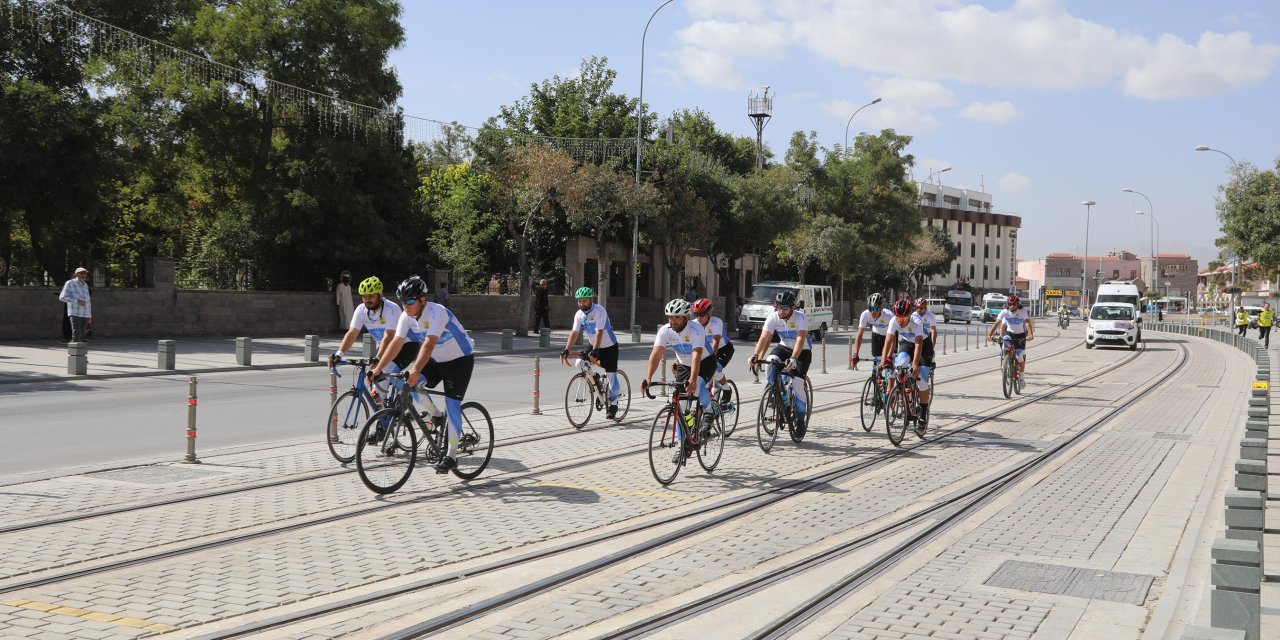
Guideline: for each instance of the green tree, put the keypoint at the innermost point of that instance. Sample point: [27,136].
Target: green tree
[763,206]
[1249,209]
[606,199]
[457,199]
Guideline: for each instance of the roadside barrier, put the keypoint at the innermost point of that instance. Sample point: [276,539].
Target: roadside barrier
[310,349]
[544,338]
[824,354]
[191,423]
[333,397]
[370,346]
[508,339]
[537,384]
[851,351]
[166,355]
[77,358]
[244,351]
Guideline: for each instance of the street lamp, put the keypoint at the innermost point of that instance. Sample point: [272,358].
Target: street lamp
[635,229]
[846,125]
[1205,147]
[1084,273]
[1155,260]
[942,170]
[1155,275]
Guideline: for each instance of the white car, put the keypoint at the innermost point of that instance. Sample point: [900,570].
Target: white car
[1112,323]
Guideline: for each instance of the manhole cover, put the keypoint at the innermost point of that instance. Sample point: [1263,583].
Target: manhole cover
[1093,584]
[155,474]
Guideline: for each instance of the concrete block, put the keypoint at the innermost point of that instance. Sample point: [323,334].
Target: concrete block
[635,334]
[77,358]
[369,346]
[1259,412]
[244,351]
[1260,402]
[1253,449]
[1235,552]
[311,348]
[508,339]
[544,337]
[1196,632]
[166,355]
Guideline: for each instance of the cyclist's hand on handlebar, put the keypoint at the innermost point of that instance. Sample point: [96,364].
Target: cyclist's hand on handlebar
[564,355]
[644,388]
[915,369]
[373,361]
[334,358]
[691,389]
[791,364]
[593,354]
[412,378]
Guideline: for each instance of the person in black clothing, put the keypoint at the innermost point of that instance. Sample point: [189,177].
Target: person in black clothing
[541,305]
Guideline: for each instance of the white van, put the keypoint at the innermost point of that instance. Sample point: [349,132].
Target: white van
[1122,291]
[815,300]
[1113,323]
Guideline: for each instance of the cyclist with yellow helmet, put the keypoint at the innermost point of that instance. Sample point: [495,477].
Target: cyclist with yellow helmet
[377,315]
[592,319]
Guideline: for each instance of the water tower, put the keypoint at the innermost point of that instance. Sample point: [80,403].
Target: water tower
[760,110]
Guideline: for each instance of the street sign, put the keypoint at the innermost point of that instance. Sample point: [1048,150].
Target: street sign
[1053,293]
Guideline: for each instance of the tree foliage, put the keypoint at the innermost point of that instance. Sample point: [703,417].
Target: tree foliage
[1249,209]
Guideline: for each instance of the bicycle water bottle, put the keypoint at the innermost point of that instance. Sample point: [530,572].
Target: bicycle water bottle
[688,420]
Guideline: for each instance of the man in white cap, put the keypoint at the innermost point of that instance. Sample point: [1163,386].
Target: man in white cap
[79,308]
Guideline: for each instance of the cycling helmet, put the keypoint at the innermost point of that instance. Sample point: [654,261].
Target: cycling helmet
[902,308]
[922,303]
[584,292]
[702,306]
[677,307]
[370,285]
[412,288]
[875,300]
[785,299]
[1014,301]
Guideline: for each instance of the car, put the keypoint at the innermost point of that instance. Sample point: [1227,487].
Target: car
[1253,315]
[1113,323]
[975,313]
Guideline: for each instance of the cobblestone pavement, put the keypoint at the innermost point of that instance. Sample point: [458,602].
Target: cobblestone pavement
[320,539]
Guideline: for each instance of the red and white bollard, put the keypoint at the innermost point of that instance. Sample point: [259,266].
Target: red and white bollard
[191,424]
[537,383]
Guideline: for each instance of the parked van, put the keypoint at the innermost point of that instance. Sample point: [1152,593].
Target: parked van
[814,300]
[1126,292]
[957,306]
[992,305]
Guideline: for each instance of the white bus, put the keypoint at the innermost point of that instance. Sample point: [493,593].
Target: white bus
[957,306]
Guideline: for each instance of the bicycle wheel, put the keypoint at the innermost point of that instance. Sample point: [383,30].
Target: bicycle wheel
[711,445]
[913,400]
[386,452]
[624,396]
[729,410]
[347,416]
[768,419]
[1006,377]
[870,407]
[895,415]
[579,400]
[800,425]
[476,446]
[666,454]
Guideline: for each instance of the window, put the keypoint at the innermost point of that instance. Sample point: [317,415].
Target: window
[1133,274]
[617,279]
[957,270]
[590,274]
[998,230]
[1115,274]
[973,250]
[977,204]
[985,273]
[997,252]
[986,251]
[970,272]
[986,231]
[973,228]
[997,273]
[951,200]
[642,281]
[959,228]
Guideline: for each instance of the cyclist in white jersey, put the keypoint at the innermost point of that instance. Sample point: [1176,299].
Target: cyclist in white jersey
[1017,326]
[688,340]
[430,340]
[792,329]
[377,315]
[930,324]
[876,318]
[906,339]
[594,320]
[718,344]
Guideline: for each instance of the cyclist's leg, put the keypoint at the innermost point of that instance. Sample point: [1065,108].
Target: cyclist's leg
[797,381]
[706,371]
[782,353]
[1020,352]
[457,376]
[609,360]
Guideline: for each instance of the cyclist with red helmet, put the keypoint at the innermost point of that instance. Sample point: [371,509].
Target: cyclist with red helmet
[718,345]
[1017,327]
[930,324]
[908,347]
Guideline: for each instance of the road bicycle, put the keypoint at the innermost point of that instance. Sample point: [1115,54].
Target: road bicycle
[588,391]
[1010,378]
[350,411]
[777,406]
[873,394]
[680,430]
[388,447]
[903,405]
[724,397]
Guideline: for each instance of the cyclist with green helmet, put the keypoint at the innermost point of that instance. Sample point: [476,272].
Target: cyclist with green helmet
[594,320]
[377,315]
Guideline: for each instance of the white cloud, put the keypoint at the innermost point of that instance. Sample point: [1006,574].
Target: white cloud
[883,115]
[1014,182]
[708,68]
[1217,63]
[906,91]
[993,112]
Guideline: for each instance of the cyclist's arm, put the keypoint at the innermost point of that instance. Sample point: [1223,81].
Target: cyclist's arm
[386,343]
[389,354]
[857,342]
[348,338]
[886,354]
[715,342]
[801,339]
[915,357]
[573,338]
[1031,329]
[763,343]
[595,345]
[693,368]
[420,362]
[992,332]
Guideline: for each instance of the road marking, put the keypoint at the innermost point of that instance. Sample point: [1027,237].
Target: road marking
[624,492]
[96,616]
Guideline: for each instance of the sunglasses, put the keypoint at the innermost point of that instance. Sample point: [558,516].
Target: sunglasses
[783,308]
[874,308]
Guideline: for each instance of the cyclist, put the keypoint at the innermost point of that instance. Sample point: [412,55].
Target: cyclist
[377,315]
[718,344]
[909,345]
[688,340]
[876,319]
[604,344]
[1017,326]
[792,329]
[929,322]
[429,340]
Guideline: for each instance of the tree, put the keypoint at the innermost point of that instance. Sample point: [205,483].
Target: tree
[762,207]
[929,254]
[457,199]
[1249,209]
[603,200]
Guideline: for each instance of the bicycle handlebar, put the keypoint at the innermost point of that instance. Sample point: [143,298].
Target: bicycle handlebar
[671,385]
[356,363]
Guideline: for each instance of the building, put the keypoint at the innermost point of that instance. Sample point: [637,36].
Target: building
[1177,276]
[988,240]
[655,281]
[1061,274]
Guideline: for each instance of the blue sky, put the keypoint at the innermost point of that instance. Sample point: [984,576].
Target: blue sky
[1046,103]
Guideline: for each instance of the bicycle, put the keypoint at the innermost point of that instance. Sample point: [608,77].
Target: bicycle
[588,391]
[350,411]
[903,404]
[387,450]
[873,394]
[1010,379]
[727,407]
[777,407]
[678,432]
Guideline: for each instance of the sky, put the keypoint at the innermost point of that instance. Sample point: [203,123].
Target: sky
[1042,103]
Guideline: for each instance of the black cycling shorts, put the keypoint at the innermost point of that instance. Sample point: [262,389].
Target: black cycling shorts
[724,355]
[877,344]
[1019,340]
[802,363]
[456,374]
[706,369]
[608,357]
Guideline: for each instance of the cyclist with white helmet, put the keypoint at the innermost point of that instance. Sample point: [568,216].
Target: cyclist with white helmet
[877,319]
[594,320]
[688,340]
[792,329]
[905,338]
[1018,328]
[718,344]
[377,315]
[429,340]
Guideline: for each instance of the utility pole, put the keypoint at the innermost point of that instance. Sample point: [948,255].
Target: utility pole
[760,110]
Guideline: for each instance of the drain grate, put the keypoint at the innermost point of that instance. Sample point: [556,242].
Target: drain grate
[155,474]
[1093,584]
[1185,437]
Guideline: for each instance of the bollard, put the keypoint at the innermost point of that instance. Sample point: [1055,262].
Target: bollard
[966,339]
[851,351]
[537,384]
[244,351]
[544,338]
[664,373]
[635,334]
[824,356]
[166,355]
[77,358]
[310,348]
[333,397]
[370,346]
[1251,475]
[1245,516]
[954,344]
[191,423]
[944,344]
[1236,575]
[508,339]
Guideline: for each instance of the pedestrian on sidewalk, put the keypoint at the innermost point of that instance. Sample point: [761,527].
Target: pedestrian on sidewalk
[541,305]
[345,302]
[75,292]
[1242,321]
[1266,318]
[441,296]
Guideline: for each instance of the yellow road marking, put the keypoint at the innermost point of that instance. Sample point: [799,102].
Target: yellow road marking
[96,616]
[624,492]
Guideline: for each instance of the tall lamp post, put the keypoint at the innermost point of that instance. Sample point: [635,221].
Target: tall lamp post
[942,170]
[1084,274]
[635,228]
[846,125]
[1235,273]
[1156,224]
[1155,260]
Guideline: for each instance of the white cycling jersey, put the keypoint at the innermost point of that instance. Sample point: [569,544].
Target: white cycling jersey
[593,320]
[1015,322]
[907,332]
[715,327]
[379,322]
[878,326]
[788,330]
[683,342]
[436,320]
[927,320]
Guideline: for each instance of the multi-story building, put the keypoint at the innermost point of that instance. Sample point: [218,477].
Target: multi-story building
[1177,275]
[1061,274]
[988,240]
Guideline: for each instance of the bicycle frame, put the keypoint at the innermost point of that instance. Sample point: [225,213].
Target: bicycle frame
[678,395]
